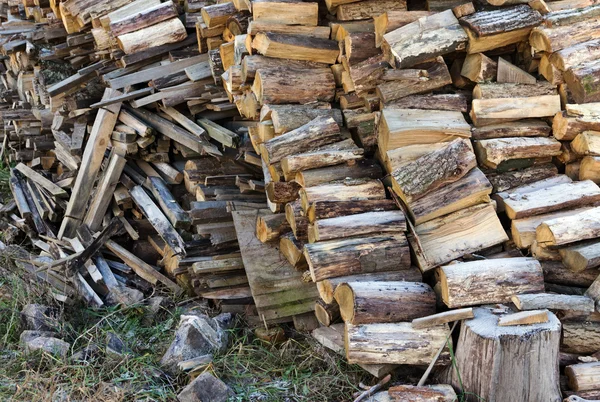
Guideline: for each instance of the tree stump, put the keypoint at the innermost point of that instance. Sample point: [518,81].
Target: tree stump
[507,364]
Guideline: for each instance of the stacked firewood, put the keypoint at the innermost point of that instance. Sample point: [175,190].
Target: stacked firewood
[378,169]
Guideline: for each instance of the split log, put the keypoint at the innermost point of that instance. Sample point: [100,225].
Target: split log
[554,38]
[426,393]
[581,256]
[179,218]
[508,72]
[327,314]
[524,318]
[255,62]
[566,128]
[326,156]
[552,301]
[489,281]
[494,111]
[344,257]
[584,80]
[513,90]
[567,195]
[217,14]
[377,302]
[327,287]
[443,318]
[589,169]
[318,132]
[494,152]
[271,227]
[285,12]
[487,30]
[255,27]
[446,165]
[296,47]
[395,343]
[447,102]
[529,188]
[363,10]
[521,128]
[449,237]
[361,169]
[165,32]
[289,85]
[143,18]
[569,229]
[291,248]
[392,20]
[332,209]
[358,46]
[485,359]
[289,117]
[424,39]
[570,57]
[556,273]
[359,190]
[580,337]
[357,225]
[478,67]
[583,376]
[396,87]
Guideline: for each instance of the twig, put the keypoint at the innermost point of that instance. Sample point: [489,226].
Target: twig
[374,388]
[436,357]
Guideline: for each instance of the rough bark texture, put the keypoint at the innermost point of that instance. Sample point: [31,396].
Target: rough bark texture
[289,85]
[581,256]
[357,225]
[493,152]
[485,359]
[512,90]
[552,39]
[489,281]
[493,111]
[553,302]
[296,47]
[332,209]
[521,128]
[427,393]
[169,31]
[575,55]
[346,191]
[486,23]
[368,169]
[583,376]
[344,257]
[569,229]
[377,302]
[584,81]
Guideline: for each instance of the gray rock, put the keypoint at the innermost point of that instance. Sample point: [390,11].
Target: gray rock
[205,388]
[28,336]
[124,295]
[87,353]
[115,346]
[54,346]
[197,335]
[38,317]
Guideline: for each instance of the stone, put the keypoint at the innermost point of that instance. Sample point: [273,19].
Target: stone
[86,354]
[124,295]
[38,317]
[54,346]
[29,335]
[205,388]
[115,346]
[195,336]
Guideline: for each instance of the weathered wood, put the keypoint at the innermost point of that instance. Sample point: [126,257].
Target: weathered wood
[293,164]
[357,225]
[508,72]
[512,90]
[583,376]
[478,67]
[524,318]
[346,191]
[554,38]
[344,257]
[296,47]
[271,227]
[566,127]
[446,165]
[552,301]
[494,152]
[40,180]
[376,302]
[426,393]
[91,161]
[443,318]
[448,102]
[424,39]
[485,359]
[465,231]
[581,337]
[142,19]
[575,55]
[494,111]
[489,281]
[289,85]
[392,20]
[158,220]
[255,27]
[361,169]
[569,229]
[277,288]
[217,14]
[521,128]
[363,10]
[581,256]
[169,205]
[165,32]
[284,12]
[327,287]
[567,195]
[584,80]
[319,131]
[395,343]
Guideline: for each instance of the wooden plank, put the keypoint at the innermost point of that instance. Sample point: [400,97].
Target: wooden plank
[277,288]
[41,181]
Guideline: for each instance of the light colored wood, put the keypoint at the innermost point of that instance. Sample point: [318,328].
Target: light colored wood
[485,358]
[296,47]
[553,38]
[521,128]
[524,318]
[394,343]
[40,180]
[443,318]
[165,32]
[288,13]
[554,198]
[589,169]
[363,10]
[449,237]
[493,152]
[143,18]
[581,256]
[426,393]
[391,20]
[332,337]
[494,111]
[572,56]
[357,225]
[479,68]
[553,301]
[424,39]
[568,229]
[255,27]
[508,72]
[489,281]
[327,314]
[269,89]
[587,143]
[580,337]
[91,161]
[583,376]
[513,90]
[377,302]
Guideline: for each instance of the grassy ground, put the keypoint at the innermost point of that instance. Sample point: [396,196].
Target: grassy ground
[296,370]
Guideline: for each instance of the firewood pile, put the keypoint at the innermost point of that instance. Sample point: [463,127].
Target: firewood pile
[374,172]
